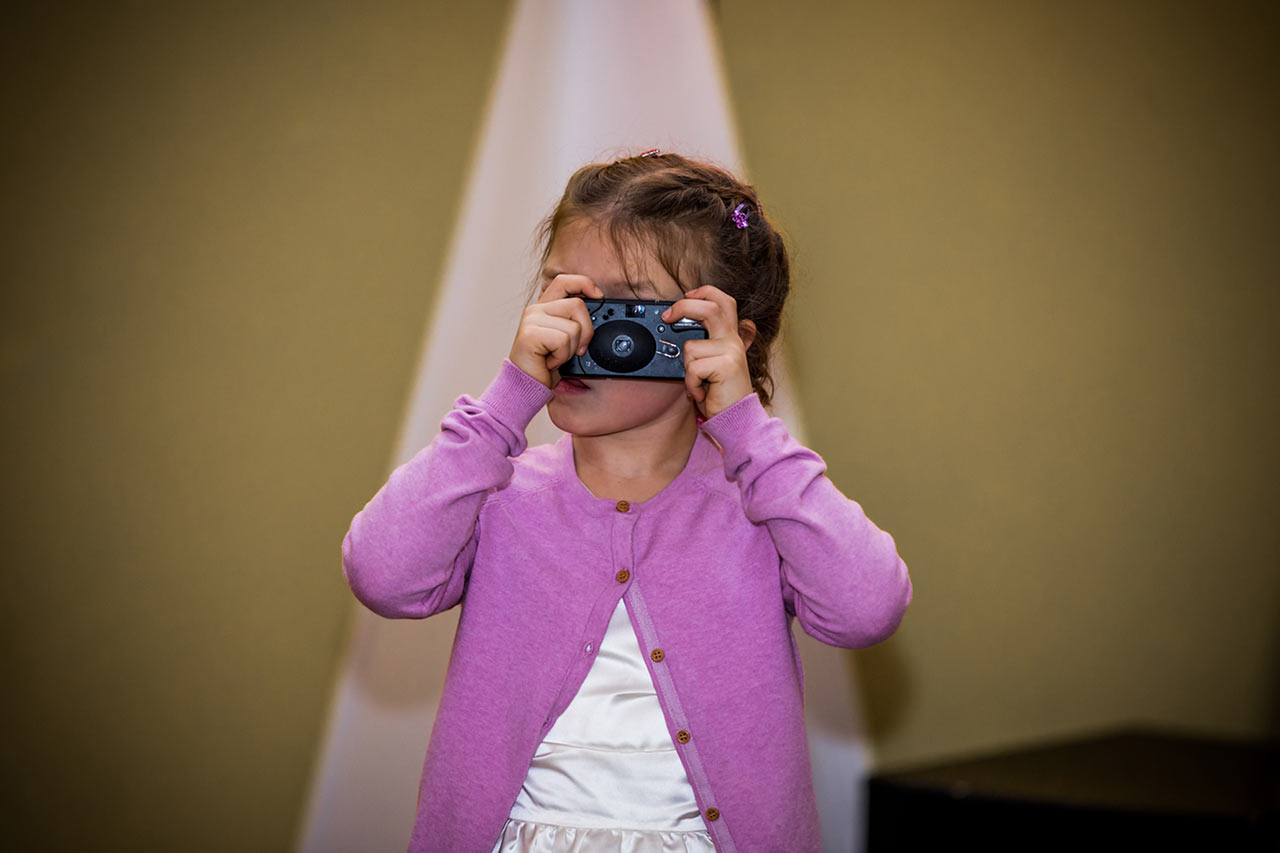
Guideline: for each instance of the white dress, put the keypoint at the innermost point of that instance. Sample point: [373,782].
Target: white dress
[607,779]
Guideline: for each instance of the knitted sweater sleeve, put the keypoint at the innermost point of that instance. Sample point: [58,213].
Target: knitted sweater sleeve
[841,575]
[408,552]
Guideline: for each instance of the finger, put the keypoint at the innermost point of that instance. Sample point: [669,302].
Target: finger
[695,374]
[714,359]
[569,284]
[724,378]
[573,308]
[717,312]
[566,343]
[712,293]
[555,345]
[701,349]
[697,393]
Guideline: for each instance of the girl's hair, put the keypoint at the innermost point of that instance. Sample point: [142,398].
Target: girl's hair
[687,214]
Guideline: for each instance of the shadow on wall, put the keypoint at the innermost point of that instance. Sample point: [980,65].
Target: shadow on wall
[884,680]
[1273,718]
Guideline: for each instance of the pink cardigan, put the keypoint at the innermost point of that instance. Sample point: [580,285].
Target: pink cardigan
[713,570]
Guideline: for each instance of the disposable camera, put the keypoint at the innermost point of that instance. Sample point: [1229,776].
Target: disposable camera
[630,339]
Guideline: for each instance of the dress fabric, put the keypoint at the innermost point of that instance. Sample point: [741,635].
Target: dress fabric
[607,778]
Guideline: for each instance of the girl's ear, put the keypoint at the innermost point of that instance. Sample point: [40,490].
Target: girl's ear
[746,331]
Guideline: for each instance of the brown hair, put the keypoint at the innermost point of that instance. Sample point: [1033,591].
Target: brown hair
[682,211]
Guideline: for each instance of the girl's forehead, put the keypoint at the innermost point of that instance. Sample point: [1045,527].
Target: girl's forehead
[584,247]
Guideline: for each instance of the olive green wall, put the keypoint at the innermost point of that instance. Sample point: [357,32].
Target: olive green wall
[1034,334]
[223,227]
[1041,344]
[1038,337]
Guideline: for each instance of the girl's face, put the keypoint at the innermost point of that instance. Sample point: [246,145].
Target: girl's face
[592,407]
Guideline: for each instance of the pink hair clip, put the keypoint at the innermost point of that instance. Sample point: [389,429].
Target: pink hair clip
[652,152]
[739,215]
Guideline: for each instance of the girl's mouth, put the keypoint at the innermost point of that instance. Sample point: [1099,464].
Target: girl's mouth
[570,385]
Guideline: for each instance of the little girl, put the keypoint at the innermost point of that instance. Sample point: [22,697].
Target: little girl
[624,677]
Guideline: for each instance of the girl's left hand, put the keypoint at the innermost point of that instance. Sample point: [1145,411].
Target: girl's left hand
[715,369]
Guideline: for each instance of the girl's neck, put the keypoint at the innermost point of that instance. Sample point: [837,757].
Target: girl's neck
[636,464]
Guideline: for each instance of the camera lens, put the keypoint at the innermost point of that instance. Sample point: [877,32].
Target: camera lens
[622,346]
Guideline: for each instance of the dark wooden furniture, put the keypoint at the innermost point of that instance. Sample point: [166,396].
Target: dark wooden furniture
[1130,790]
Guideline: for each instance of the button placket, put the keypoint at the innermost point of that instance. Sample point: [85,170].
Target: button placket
[622,548]
[687,749]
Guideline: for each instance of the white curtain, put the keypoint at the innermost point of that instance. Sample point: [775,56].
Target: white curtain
[580,81]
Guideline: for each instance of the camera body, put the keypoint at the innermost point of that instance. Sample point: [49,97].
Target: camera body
[631,340]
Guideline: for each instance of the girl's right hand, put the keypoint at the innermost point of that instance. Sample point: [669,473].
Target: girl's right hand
[555,328]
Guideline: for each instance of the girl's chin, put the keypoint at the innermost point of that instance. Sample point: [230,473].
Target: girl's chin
[596,411]
[564,417]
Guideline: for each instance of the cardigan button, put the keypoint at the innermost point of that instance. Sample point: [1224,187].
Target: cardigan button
[657,655]
[683,737]
[713,813]
[624,506]
[623,576]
